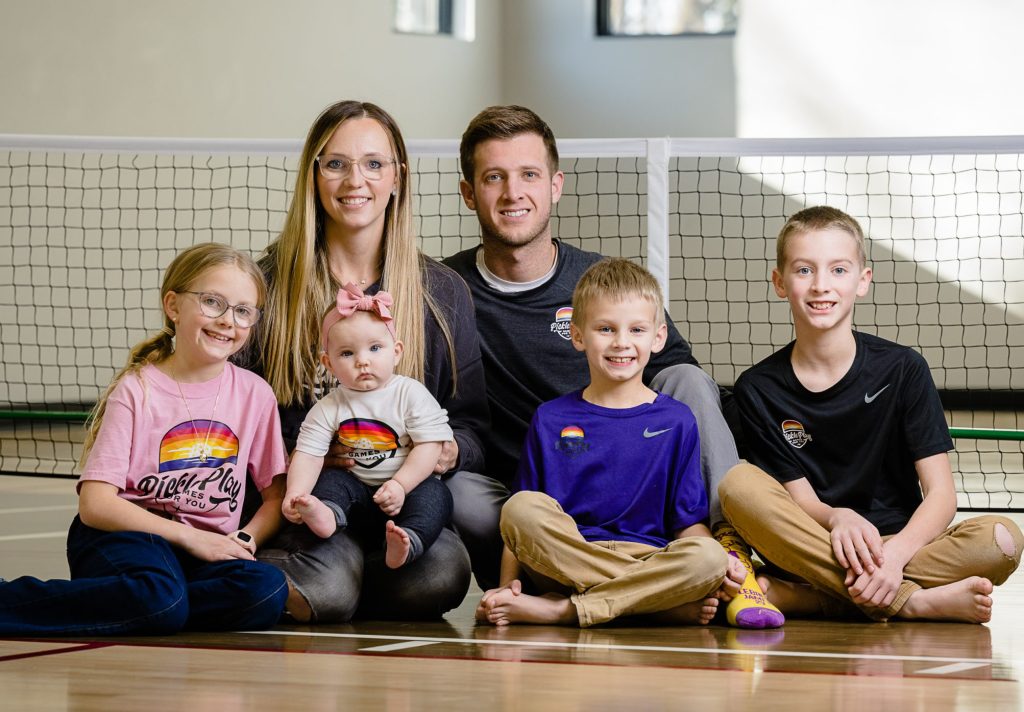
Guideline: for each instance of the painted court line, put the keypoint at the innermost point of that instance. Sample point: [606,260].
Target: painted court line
[38,535]
[953,667]
[54,651]
[397,646]
[977,662]
[32,510]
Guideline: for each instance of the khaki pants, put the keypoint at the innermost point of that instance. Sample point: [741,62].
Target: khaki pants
[770,521]
[609,579]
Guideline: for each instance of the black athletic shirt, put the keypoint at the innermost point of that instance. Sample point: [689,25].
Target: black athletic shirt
[856,442]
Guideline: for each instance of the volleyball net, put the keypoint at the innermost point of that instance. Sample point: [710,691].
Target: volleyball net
[87,227]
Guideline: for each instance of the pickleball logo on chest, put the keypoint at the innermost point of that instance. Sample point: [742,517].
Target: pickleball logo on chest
[560,326]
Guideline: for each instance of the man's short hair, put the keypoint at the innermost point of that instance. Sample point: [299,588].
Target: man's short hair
[616,278]
[820,217]
[503,123]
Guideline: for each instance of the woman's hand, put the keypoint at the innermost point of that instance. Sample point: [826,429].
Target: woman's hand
[339,456]
[449,456]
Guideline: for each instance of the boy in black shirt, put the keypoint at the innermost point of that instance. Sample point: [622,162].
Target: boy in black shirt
[851,428]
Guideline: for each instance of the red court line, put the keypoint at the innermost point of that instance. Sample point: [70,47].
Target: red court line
[54,651]
[489,659]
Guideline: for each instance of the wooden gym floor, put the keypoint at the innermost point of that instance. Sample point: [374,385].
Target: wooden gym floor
[456,665]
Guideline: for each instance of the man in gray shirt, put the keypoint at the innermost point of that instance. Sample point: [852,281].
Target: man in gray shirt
[522,281]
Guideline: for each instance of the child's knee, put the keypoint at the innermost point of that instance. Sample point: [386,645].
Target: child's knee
[738,490]
[1008,538]
[159,603]
[1005,543]
[523,510]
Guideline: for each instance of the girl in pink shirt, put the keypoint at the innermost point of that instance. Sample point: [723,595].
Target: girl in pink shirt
[158,544]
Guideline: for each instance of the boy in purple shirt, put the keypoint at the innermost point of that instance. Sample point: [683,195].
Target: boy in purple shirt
[609,515]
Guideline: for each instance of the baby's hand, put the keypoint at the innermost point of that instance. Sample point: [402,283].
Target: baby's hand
[390,497]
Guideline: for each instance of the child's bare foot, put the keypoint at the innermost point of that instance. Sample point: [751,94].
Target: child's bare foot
[398,545]
[793,599]
[693,613]
[491,598]
[316,515]
[967,601]
[505,607]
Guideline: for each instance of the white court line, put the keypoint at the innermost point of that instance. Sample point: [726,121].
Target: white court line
[954,667]
[29,510]
[397,646]
[38,535]
[642,648]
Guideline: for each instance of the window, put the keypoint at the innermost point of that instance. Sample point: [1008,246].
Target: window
[632,18]
[436,17]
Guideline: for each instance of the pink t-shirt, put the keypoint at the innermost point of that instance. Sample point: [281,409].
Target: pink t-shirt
[152,451]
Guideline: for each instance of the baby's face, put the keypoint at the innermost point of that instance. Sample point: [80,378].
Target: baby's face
[361,353]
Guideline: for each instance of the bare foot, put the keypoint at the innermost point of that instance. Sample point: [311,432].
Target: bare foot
[966,601]
[316,515]
[397,544]
[793,599]
[693,613]
[505,607]
[491,597]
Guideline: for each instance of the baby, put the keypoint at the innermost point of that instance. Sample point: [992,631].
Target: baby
[393,429]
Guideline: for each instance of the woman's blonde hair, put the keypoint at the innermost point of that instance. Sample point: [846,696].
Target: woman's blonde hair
[181,274]
[301,284]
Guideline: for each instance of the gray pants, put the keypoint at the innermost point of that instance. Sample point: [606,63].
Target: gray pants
[478,498]
[690,385]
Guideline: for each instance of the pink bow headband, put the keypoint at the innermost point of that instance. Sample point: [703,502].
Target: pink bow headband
[350,300]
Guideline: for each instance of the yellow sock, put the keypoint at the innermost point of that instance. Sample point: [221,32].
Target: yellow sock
[750,608]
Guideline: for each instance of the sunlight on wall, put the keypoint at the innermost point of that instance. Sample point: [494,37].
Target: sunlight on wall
[806,68]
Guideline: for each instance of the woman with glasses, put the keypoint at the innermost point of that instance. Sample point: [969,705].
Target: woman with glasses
[350,221]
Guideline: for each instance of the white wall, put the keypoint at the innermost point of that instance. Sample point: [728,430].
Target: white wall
[264,68]
[879,68]
[232,68]
[587,86]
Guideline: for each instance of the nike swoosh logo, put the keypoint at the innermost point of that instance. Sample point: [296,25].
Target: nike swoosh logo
[654,433]
[869,399]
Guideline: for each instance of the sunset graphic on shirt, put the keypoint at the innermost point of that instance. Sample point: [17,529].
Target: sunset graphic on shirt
[371,440]
[185,444]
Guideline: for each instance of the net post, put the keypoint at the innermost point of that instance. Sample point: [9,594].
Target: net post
[657,211]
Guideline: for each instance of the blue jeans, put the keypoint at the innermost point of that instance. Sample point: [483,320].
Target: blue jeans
[344,576]
[426,511]
[133,583]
